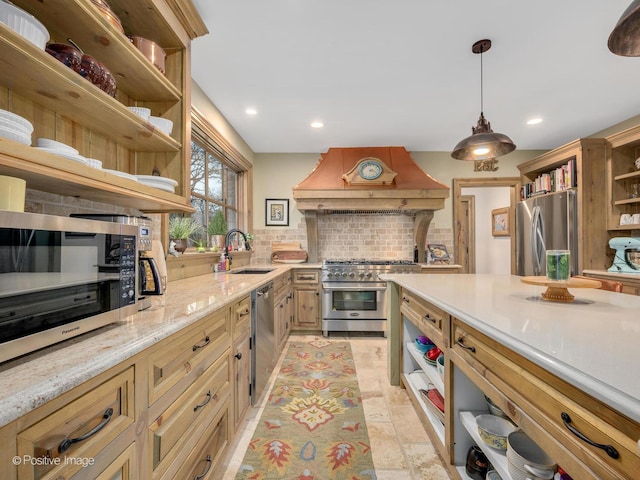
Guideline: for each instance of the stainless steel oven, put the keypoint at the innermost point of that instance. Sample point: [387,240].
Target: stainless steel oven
[353,297]
[61,277]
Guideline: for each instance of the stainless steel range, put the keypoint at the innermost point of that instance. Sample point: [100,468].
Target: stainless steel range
[353,296]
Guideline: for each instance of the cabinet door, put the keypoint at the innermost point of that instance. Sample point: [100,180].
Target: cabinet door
[122,468]
[307,307]
[242,376]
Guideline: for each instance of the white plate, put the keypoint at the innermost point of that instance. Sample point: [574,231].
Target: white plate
[47,143]
[159,186]
[70,156]
[157,179]
[92,162]
[12,120]
[121,174]
[16,137]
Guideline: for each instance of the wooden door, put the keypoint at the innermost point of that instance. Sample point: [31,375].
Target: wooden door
[307,307]
[242,373]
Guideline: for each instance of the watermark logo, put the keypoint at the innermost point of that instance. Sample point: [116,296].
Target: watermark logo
[52,461]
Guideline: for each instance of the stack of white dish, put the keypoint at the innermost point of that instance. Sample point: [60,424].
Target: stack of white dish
[163,183]
[120,174]
[24,24]
[92,162]
[142,112]
[14,127]
[60,149]
[163,124]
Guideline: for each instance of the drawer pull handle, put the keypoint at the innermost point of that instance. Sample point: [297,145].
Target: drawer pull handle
[206,470]
[405,300]
[238,355]
[461,344]
[428,317]
[611,451]
[245,313]
[200,405]
[67,442]
[203,344]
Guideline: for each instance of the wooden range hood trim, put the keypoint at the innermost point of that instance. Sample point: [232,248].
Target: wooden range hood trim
[412,191]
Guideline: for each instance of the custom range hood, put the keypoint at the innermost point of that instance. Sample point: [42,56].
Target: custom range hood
[372,180]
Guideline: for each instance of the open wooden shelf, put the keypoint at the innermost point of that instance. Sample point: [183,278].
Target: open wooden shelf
[81,21]
[51,173]
[36,75]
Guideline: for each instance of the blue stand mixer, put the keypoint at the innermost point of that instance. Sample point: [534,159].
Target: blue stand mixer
[625,248]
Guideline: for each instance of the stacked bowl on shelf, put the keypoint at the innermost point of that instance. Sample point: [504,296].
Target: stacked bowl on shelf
[14,127]
[24,24]
[60,149]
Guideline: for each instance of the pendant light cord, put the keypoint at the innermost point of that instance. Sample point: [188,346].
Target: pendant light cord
[481,84]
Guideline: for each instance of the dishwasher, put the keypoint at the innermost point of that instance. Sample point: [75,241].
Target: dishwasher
[263,340]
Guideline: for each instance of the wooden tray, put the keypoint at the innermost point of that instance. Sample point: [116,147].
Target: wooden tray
[558,290]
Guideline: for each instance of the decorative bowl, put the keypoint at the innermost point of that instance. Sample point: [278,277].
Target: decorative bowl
[424,347]
[494,409]
[142,112]
[494,430]
[440,366]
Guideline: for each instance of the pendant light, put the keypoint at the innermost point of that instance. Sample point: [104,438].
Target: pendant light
[625,37]
[483,143]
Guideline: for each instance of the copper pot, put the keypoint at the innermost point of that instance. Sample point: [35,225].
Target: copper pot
[151,50]
[107,13]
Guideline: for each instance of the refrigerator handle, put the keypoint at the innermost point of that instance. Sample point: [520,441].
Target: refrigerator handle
[536,240]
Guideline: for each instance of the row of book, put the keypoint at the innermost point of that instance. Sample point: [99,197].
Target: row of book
[562,178]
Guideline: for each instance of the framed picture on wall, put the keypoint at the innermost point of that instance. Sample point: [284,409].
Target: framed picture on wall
[500,222]
[277,212]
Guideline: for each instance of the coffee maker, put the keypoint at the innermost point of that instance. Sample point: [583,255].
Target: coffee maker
[149,280]
[625,247]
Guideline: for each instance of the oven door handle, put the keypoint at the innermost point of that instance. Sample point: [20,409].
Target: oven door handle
[353,289]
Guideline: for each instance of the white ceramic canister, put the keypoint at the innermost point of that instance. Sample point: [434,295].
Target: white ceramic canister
[635,218]
[625,219]
[12,193]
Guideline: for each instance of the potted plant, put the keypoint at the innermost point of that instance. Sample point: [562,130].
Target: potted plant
[217,229]
[181,229]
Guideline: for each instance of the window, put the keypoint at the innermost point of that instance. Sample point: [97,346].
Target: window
[219,179]
[214,186]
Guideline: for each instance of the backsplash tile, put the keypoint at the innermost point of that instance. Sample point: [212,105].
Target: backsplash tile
[382,237]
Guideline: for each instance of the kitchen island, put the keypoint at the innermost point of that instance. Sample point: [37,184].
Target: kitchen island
[532,357]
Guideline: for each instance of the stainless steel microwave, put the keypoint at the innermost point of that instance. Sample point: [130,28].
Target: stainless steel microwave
[61,277]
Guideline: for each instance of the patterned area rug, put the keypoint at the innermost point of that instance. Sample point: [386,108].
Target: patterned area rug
[312,427]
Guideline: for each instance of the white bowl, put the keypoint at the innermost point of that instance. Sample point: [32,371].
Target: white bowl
[15,135]
[494,430]
[525,454]
[24,24]
[92,162]
[142,112]
[163,124]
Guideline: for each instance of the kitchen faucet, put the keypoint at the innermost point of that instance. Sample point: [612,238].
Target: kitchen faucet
[228,238]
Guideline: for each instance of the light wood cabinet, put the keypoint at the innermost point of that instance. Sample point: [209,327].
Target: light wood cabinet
[589,157]
[282,310]
[241,359]
[547,408]
[63,106]
[624,149]
[306,296]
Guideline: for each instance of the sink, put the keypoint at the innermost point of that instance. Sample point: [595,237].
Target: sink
[252,271]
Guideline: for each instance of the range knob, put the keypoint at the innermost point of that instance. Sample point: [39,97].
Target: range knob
[361,274]
[330,274]
[369,274]
[351,274]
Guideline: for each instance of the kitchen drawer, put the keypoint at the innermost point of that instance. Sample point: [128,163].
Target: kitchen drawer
[429,319]
[241,317]
[122,468]
[204,461]
[281,284]
[185,355]
[196,406]
[537,401]
[79,430]
[306,276]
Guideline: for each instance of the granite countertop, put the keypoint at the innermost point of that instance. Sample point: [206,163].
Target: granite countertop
[37,378]
[591,343]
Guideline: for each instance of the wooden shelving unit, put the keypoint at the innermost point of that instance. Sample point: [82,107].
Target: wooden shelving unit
[624,149]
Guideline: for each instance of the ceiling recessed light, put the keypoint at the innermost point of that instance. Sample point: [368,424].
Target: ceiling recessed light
[251,111]
[317,124]
[534,121]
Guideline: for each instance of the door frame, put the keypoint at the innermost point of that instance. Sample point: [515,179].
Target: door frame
[467,243]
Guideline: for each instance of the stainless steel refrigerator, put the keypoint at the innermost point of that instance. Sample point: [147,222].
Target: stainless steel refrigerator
[547,222]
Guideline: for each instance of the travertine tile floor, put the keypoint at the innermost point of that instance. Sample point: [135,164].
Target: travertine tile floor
[400,447]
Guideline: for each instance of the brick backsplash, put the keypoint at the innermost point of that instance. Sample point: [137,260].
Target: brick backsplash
[382,237]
